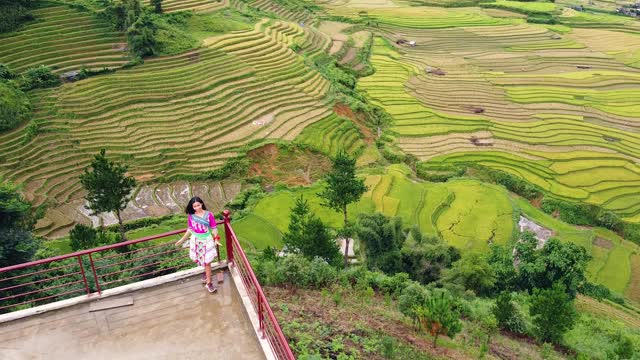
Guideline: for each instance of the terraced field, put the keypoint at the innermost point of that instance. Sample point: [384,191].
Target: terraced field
[332,134]
[64,39]
[467,214]
[517,98]
[169,6]
[450,209]
[239,88]
[147,201]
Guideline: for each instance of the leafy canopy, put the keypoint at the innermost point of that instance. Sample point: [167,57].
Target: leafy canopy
[108,187]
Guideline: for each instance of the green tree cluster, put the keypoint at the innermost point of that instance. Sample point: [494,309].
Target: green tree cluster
[382,238]
[307,235]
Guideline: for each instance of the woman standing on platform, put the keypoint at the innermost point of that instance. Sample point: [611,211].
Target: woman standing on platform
[202,246]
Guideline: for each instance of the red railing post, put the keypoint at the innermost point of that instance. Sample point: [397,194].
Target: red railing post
[95,275]
[260,314]
[228,235]
[84,277]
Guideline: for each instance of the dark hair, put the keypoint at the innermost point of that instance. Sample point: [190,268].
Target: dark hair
[189,209]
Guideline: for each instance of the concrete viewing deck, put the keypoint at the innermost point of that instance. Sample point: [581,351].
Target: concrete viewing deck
[174,320]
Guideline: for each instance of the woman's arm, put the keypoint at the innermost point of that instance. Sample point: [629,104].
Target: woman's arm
[216,237]
[184,237]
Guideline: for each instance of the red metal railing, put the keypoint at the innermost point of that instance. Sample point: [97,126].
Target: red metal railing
[95,270]
[269,327]
[89,271]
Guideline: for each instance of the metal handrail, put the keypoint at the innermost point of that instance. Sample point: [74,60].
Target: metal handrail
[269,329]
[261,299]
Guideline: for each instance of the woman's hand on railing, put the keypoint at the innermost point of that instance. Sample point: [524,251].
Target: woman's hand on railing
[216,239]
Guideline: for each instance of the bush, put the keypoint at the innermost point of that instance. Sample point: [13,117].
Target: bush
[15,107]
[6,73]
[83,237]
[600,292]
[321,273]
[507,314]
[412,296]
[38,78]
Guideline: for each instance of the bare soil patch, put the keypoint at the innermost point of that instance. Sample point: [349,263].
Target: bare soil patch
[358,119]
[603,243]
[291,166]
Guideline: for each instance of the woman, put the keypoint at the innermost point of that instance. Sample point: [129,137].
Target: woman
[202,247]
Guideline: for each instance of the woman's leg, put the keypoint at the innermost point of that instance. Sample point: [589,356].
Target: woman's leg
[207,270]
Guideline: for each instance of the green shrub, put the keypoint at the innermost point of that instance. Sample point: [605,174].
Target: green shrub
[508,315]
[83,237]
[6,73]
[600,292]
[321,273]
[38,78]
[15,107]
[32,130]
[412,297]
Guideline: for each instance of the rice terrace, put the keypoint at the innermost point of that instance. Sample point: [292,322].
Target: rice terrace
[474,124]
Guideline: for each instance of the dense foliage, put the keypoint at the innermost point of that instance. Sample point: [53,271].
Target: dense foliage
[15,107]
[308,236]
[108,187]
[13,13]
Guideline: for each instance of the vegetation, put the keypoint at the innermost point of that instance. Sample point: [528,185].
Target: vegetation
[495,116]
[108,187]
[343,188]
[553,313]
[17,244]
[308,236]
[15,107]
[13,13]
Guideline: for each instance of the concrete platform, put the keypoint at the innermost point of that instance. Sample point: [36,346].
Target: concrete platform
[176,320]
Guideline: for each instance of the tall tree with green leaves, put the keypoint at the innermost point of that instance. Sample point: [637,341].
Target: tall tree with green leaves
[553,313]
[343,188]
[438,316]
[17,244]
[382,238]
[309,236]
[473,272]
[108,187]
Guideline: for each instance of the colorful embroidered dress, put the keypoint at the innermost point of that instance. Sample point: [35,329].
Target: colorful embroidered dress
[202,249]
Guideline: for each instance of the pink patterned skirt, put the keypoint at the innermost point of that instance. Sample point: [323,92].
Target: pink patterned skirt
[202,249]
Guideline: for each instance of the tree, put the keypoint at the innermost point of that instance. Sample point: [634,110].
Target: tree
[553,313]
[17,244]
[309,236]
[157,5]
[142,36]
[15,107]
[555,262]
[83,237]
[342,189]
[473,272]
[426,260]
[507,314]
[108,187]
[382,238]
[438,316]
[501,261]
